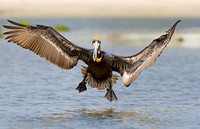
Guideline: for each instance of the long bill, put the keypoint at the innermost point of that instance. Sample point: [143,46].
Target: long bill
[95,51]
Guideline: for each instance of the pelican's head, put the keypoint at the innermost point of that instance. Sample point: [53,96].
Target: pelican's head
[97,49]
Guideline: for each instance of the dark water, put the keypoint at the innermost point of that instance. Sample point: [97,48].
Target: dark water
[36,94]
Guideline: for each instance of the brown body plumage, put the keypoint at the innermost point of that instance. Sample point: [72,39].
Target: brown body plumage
[49,44]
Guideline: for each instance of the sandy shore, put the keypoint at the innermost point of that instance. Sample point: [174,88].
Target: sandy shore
[99,8]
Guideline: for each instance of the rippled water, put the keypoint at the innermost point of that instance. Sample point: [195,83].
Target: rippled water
[36,94]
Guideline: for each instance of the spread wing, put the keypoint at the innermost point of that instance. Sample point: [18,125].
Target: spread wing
[47,43]
[130,67]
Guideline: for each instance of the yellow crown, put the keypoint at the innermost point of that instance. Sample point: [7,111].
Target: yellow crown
[96,38]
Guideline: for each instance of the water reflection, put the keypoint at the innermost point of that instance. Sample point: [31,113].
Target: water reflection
[98,116]
[120,116]
[110,113]
[55,118]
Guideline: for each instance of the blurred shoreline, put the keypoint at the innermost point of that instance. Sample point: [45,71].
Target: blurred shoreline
[124,32]
[99,8]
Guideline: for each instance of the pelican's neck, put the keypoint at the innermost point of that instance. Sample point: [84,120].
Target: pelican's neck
[99,52]
[99,57]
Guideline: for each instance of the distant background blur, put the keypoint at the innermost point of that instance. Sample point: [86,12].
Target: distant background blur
[132,19]
[100,8]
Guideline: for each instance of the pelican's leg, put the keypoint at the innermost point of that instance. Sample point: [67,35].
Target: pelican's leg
[110,95]
[82,87]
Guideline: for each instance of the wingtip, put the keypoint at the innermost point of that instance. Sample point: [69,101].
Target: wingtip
[172,29]
[178,21]
[15,23]
[4,26]
[8,20]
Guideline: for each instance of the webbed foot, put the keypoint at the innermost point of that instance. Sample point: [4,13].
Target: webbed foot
[81,87]
[110,95]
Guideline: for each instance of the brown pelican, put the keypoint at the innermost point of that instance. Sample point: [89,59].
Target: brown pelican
[49,44]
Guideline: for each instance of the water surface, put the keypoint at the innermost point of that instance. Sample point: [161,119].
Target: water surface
[37,94]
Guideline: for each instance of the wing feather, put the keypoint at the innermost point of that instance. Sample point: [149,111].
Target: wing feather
[130,67]
[47,43]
